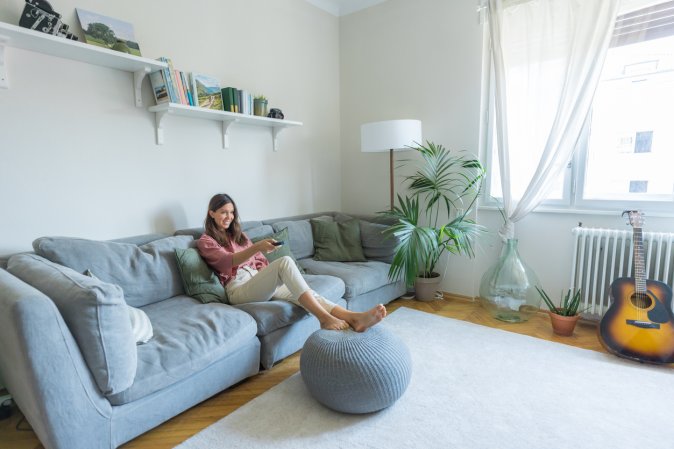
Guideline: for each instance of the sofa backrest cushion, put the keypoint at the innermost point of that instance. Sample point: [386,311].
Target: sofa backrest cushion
[95,313]
[280,251]
[249,227]
[146,273]
[300,235]
[376,245]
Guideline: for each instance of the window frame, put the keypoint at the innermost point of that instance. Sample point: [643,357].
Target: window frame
[572,200]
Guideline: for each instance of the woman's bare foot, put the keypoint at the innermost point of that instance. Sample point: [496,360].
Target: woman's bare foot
[361,321]
[333,324]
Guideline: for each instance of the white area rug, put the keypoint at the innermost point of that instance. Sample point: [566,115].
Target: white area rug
[472,387]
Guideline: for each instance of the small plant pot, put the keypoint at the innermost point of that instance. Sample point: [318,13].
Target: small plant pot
[563,325]
[260,107]
[426,289]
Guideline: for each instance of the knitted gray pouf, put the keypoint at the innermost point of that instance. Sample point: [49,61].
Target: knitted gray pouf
[356,372]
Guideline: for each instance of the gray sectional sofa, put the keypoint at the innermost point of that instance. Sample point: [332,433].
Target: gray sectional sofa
[69,357]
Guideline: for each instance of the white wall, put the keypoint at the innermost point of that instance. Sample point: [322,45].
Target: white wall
[78,158]
[422,60]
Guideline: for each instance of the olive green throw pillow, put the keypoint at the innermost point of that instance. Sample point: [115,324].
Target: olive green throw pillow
[199,280]
[338,242]
[283,250]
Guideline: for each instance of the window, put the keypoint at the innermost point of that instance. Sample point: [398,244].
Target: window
[638,186]
[625,155]
[643,142]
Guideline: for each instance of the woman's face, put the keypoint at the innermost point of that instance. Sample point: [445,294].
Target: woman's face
[224,216]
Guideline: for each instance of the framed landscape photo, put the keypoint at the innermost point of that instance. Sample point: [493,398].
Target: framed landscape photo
[108,32]
[207,90]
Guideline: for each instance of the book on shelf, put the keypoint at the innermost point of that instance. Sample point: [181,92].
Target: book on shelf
[246,102]
[159,88]
[186,85]
[207,91]
[181,88]
[228,94]
[170,87]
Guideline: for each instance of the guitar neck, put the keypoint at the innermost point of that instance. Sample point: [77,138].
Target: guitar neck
[639,265]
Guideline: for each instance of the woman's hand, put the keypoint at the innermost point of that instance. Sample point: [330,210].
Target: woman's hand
[266,245]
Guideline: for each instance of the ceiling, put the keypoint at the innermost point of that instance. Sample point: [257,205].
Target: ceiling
[343,7]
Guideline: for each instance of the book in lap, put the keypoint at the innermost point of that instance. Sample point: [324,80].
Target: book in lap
[207,91]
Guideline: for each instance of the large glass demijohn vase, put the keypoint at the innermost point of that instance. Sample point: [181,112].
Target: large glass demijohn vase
[508,288]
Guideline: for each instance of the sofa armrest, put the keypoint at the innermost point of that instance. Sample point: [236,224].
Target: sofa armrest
[44,370]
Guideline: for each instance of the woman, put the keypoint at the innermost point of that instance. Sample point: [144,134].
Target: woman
[248,277]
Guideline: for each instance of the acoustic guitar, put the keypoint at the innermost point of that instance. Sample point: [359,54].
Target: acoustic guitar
[639,324]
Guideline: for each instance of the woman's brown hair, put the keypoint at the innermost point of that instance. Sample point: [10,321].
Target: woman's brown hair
[233,232]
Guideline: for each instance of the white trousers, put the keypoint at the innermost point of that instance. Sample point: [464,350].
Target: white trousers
[279,280]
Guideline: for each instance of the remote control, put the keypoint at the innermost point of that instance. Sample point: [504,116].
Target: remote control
[279,243]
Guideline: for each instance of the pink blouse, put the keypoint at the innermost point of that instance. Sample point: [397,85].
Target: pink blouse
[221,258]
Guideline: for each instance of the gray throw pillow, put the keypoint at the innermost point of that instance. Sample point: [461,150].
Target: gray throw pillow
[95,313]
[146,273]
[376,245]
[141,326]
[199,280]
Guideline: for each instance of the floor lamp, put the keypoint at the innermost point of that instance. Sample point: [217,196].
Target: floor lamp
[390,135]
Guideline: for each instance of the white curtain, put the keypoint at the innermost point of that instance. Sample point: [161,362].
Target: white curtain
[547,57]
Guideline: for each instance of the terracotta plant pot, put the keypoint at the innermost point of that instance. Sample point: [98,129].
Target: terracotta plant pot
[426,288]
[563,325]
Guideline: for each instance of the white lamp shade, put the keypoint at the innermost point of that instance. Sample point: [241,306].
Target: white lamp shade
[389,135]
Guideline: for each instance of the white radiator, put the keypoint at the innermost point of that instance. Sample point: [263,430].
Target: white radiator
[602,255]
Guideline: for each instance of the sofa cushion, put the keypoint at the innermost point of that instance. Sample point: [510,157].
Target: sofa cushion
[250,228]
[275,314]
[258,232]
[146,273]
[199,280]
[188,337]
[95,313]
[283,250]
[339,242]
[141,327]
[300,235]
[376,245]
[358,277]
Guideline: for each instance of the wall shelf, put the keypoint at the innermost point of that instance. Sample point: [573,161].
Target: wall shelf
[25,39]
[227,118]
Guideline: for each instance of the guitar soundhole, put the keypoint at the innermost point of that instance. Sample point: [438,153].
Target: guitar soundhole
[641,300]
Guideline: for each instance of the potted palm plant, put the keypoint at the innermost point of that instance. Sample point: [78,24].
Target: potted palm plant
[444,185]
[565,316]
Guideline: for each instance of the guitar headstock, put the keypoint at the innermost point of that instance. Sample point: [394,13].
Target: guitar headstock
[634,218]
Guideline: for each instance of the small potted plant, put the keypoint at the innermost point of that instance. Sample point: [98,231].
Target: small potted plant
[260,105]
[565,316]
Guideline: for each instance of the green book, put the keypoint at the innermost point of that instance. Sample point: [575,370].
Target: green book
[228,99]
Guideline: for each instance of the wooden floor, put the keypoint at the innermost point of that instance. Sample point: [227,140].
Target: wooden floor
[192,421]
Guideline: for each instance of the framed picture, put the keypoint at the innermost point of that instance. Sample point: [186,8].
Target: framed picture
[108,32]
[207,90]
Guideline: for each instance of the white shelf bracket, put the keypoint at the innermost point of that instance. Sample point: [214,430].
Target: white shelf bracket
[159,118]
[138,77]
[275,131]
[4,82]
[225,132]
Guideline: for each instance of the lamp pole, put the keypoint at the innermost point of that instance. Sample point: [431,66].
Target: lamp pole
[391,174]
